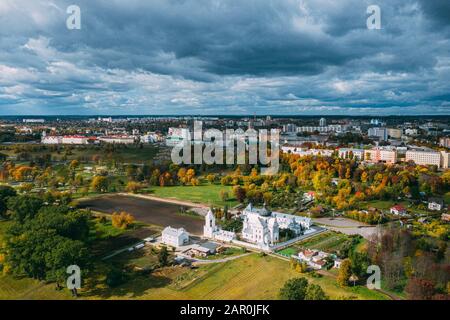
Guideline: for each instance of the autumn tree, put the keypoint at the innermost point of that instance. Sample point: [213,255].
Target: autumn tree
[99,184]
[239,193]
[344,272]
[122,220]
[224,196]
[211,178]
[419,289]
[134,187]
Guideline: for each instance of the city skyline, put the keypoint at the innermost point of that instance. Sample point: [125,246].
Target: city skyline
[224,58]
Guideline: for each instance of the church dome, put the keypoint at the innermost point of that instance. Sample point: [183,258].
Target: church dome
[264,211]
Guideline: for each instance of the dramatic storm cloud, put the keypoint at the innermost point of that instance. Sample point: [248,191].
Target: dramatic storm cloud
[224,57]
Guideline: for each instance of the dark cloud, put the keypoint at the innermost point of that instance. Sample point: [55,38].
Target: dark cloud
[274,56]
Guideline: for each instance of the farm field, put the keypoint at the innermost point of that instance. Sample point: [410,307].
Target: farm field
[205,194]
[237,279]
[328,241]
[25,289]
[145,210]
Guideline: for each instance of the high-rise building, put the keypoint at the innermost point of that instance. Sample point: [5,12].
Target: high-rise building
[376,155]
[444,142]
[394,133]
[378,132]
[322,122]
[290,127]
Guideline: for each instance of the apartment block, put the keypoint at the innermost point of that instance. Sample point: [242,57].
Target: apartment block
[424,157]
[380,155]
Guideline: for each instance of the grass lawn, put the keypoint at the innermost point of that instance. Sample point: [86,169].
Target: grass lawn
[288,251]
[26,288]
[383,205]
[249,277]
[206,194]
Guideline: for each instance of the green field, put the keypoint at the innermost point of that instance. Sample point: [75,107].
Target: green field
[249,277]
[288,251]
[382,205]
[26,288]
[205,194]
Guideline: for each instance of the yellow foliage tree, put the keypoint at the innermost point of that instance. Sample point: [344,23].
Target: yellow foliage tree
[122,220]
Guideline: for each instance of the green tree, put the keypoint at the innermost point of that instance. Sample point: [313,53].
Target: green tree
[315,292]
[294,289]
[163,256]
[24,207]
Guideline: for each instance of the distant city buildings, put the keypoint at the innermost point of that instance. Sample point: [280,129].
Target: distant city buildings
[424,157]
[411,132]
[322,122]
[118,139]
[347,153]
[394,133]
[33,120]
[307,152]
[377,155]
[378,132]
[80,140]
[177,135]
[444,142]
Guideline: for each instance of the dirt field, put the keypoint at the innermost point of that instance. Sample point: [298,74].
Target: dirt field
[145,210]
[347,226]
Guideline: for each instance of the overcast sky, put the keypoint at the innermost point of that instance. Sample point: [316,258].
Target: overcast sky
[225,57]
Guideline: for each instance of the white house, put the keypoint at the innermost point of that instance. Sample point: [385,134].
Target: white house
[175,237]
[51,139]
[309,196]
[435,204]
[337,263]
[313,258]
[118,139]
[75,139]
[398,210]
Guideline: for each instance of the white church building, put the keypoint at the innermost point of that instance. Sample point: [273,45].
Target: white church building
[262,227]
[210,230]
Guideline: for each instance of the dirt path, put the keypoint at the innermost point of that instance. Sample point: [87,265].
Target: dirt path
[203,261]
